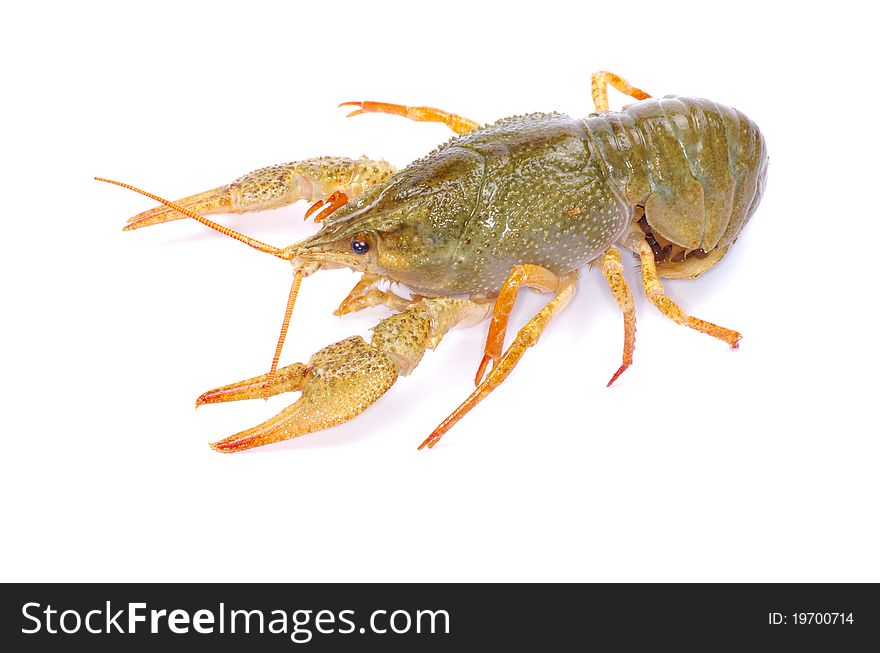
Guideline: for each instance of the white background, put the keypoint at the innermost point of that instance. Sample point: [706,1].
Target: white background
[700,464]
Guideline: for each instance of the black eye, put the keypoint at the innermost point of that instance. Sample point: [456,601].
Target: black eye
[359,246]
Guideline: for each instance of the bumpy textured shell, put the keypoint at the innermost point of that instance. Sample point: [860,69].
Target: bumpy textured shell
[698,167]
[543,200]
[556,191]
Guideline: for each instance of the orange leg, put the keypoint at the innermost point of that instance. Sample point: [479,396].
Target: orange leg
[654,291]
[533,276]
[600,83]
[526,337]
[366,294]
[335,201]
[456,123]
[613,271]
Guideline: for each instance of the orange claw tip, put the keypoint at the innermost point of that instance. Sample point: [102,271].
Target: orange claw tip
[430,441]
[206,398]
[216,396]
[356,112]
[617,374]
[236,443]
[314,207]
[481,370]
[219,395]
[219,447]
[228,447]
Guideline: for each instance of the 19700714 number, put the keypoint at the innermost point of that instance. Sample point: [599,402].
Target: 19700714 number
[826,618]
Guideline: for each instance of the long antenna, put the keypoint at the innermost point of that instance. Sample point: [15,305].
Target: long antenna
[247,240]
[288,311]
[284,254]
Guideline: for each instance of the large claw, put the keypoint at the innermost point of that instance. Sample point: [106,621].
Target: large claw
[219,200]
[344,379]
[340,382]
[276,186]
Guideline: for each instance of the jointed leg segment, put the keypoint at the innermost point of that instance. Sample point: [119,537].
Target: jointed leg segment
[600,82]
[612,269]
[458,124]
[533,276]
[526,337]
[366,294]
[654,291]
[336,201]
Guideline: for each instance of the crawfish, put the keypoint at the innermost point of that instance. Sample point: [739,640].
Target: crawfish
[524,202]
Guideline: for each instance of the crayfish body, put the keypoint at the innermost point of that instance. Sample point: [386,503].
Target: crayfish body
[526,201]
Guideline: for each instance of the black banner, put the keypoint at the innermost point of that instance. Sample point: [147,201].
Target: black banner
[407,617]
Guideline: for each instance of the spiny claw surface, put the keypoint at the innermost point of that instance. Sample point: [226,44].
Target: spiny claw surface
[320,178]
[287,379]
[345,378]
[218,200]
[340,382]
